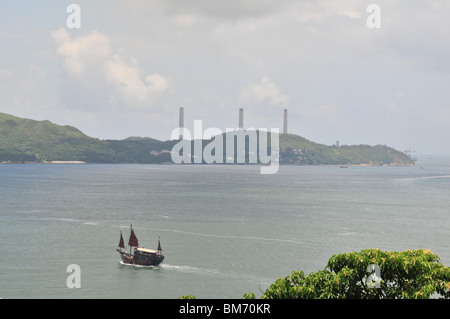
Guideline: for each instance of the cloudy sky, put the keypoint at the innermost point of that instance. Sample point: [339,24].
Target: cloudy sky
[132,64]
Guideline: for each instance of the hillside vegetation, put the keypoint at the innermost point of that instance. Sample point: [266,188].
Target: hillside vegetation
[298,150]
[25,140]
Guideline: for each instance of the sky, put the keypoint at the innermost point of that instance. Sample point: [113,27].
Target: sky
[131,64]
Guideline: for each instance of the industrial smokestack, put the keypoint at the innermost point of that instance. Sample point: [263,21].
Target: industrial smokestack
[241,118]
[285,124]
[181,124]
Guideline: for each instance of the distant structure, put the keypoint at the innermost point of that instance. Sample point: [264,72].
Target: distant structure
[241,122]
[181,124]
[241,118]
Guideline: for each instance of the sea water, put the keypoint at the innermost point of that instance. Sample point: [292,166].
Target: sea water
[225,229]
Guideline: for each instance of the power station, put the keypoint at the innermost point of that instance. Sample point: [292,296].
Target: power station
[181,123]
[241,118]
[241,121]
[285,120]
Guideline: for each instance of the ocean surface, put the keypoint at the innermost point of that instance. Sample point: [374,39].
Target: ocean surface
[225,230]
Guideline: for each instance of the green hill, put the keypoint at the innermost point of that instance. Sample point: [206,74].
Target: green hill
[298,150]
[25,140]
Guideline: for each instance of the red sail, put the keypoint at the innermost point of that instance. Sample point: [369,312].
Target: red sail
[121,243]
[133,240]
[159,245]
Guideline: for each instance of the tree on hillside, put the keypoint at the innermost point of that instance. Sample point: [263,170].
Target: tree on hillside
[369,274]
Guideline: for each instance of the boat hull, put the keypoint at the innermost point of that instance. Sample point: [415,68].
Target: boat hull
[152,259]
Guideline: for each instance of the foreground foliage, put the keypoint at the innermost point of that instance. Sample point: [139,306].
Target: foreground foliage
[369,274]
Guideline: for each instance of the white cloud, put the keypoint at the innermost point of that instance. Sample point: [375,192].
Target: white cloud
[320,10]
[264,92]
[157,82]
[91,61]
[80,54]
[315,57]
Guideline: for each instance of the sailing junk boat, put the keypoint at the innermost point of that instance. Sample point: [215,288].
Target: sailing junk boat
[140,256]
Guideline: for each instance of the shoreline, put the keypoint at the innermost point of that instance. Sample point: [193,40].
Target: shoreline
[65,162]
[50,162]
[165,163]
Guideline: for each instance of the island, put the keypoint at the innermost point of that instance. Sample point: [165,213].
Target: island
[30,141]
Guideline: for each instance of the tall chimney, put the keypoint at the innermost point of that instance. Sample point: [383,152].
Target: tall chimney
[181,125]
[285,124]
[241,118]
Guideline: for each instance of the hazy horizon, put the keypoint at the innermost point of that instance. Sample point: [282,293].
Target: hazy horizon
[132,64]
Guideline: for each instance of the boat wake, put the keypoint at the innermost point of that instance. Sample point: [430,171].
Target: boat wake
[190,269]
[185,269]
[70,220]
[180,268]
[140,266]
[429,177]
[434,177]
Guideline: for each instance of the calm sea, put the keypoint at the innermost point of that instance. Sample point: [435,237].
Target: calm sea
[225,230]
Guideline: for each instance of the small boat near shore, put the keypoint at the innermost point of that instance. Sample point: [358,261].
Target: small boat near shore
[139,255]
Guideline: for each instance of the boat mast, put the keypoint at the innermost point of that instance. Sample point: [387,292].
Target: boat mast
[133,241]
[159,244]
[129,241]
[121,243]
